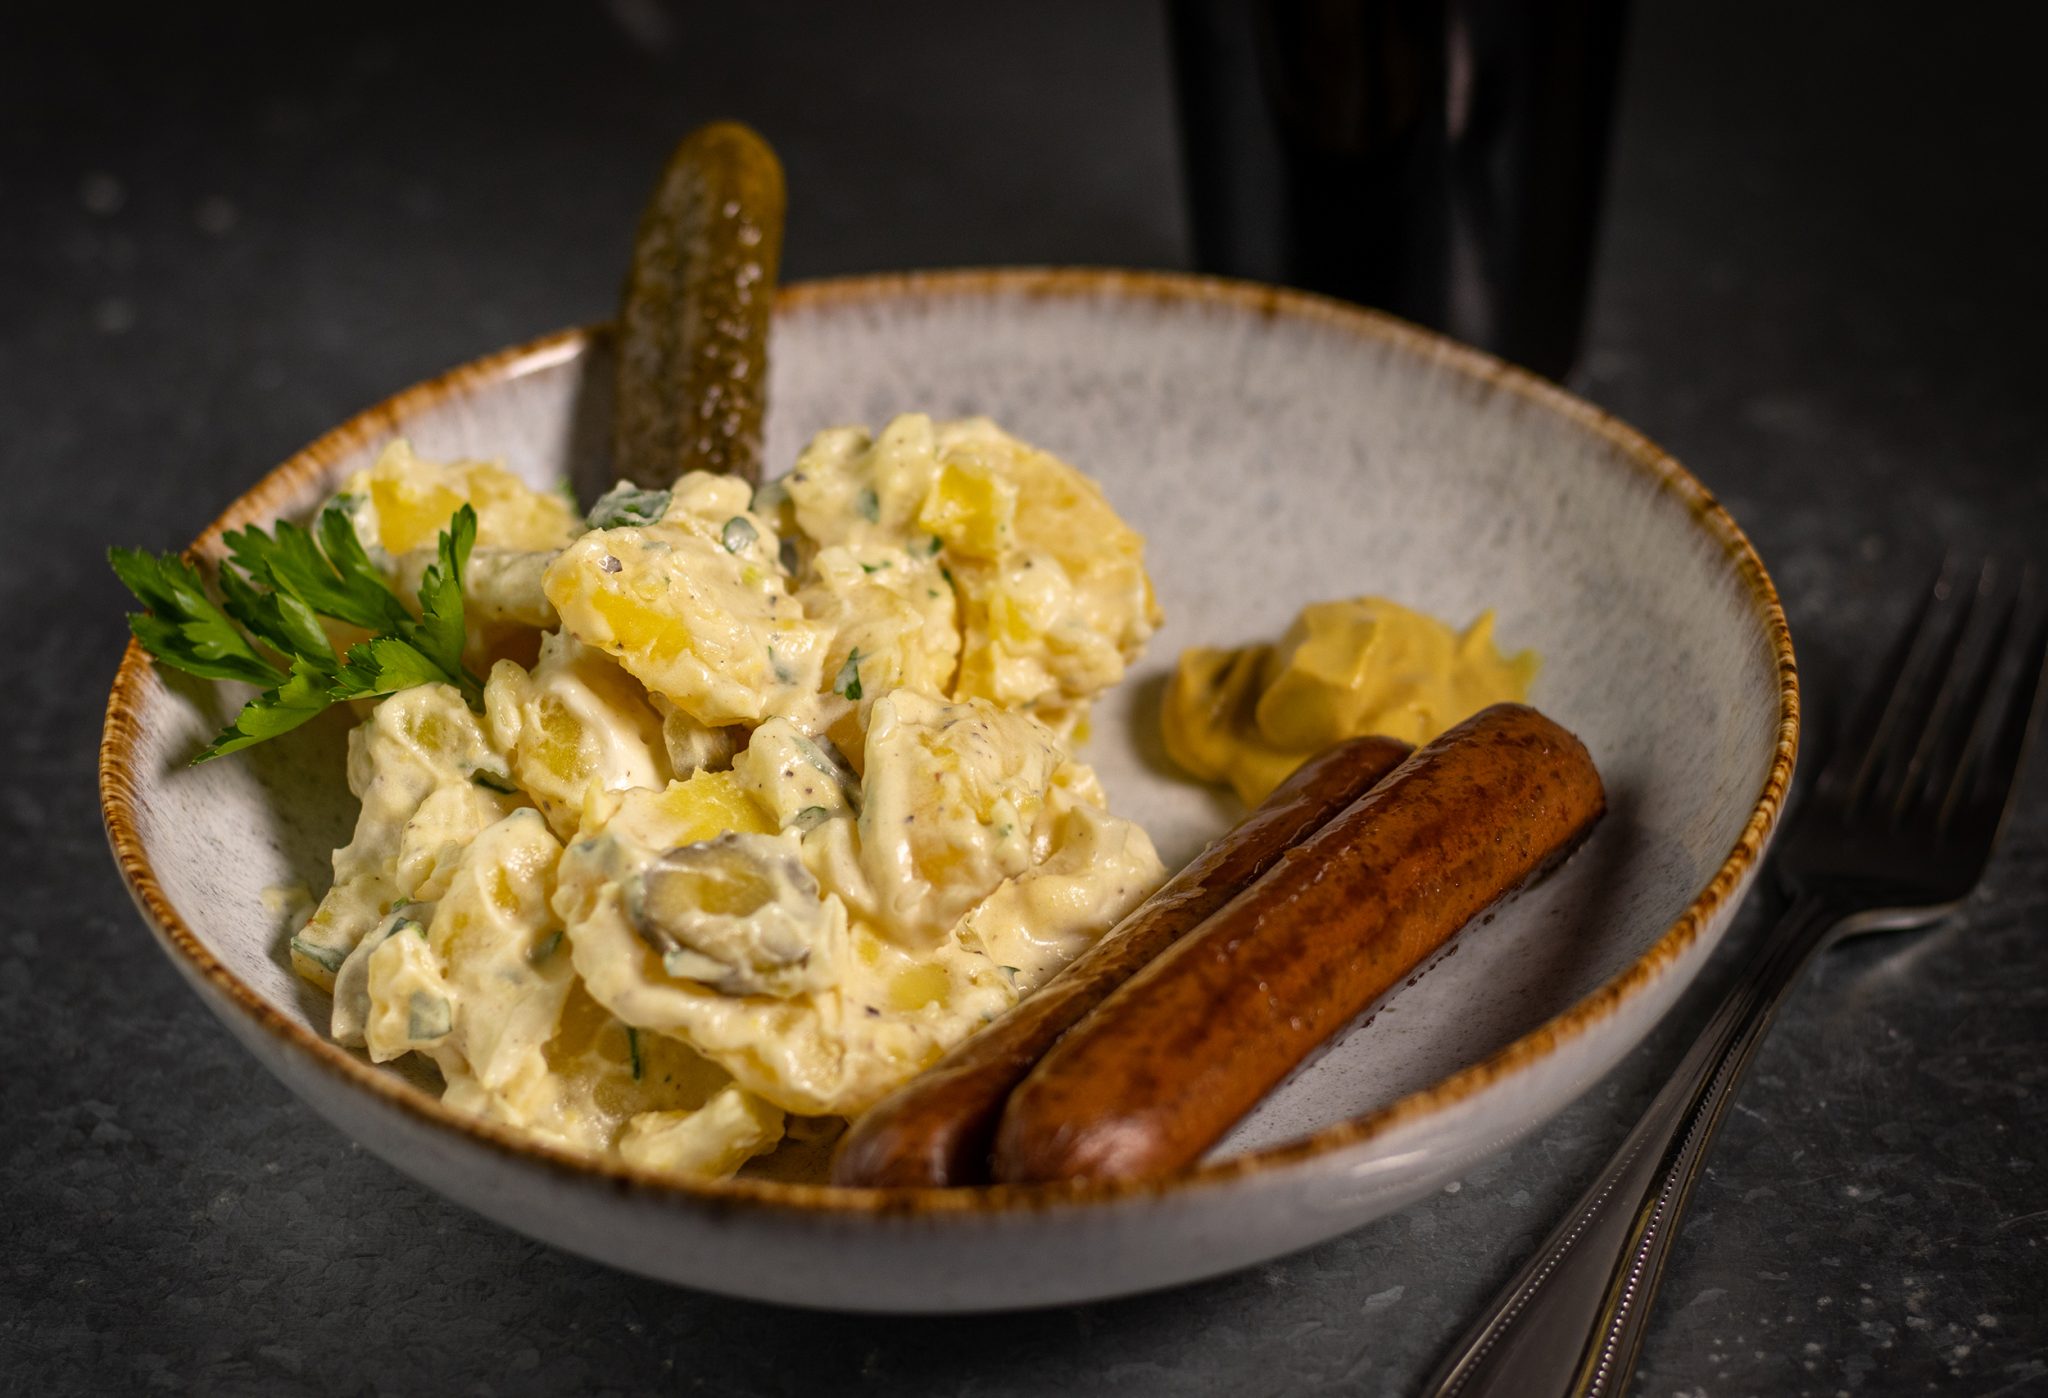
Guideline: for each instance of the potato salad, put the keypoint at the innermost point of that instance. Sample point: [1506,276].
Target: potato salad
[770,798]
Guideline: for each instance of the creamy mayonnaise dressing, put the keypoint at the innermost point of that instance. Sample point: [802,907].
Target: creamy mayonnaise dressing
[772,799]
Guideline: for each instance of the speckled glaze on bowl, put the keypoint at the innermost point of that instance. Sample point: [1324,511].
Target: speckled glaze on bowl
[1275,448]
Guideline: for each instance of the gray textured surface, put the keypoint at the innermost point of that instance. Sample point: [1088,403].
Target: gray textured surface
[1820,287]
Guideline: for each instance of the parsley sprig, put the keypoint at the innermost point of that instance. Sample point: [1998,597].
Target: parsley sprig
[277,586]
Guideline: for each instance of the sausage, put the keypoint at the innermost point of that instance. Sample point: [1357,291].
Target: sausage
[1187,1046]
[936,1129]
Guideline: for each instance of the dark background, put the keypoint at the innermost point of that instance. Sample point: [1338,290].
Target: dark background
[223,230]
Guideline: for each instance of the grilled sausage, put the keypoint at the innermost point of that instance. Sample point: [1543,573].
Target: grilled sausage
[1187,1046]
[936,1129]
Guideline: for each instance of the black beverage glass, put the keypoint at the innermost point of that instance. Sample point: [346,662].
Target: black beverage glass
[1439,159]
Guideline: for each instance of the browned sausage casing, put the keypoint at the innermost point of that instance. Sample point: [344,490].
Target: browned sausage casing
[936,1129]
[1187,1046]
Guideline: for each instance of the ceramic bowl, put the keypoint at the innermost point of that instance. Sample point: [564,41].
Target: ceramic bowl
[1275,449]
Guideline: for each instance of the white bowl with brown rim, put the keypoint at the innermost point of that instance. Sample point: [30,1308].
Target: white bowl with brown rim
[1275,449]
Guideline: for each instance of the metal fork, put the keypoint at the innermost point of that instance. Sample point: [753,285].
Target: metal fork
[1893,835]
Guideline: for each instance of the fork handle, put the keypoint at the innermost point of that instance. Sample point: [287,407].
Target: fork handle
[1572,1321]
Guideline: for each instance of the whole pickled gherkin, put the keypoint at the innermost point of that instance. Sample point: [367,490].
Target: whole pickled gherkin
[693,321]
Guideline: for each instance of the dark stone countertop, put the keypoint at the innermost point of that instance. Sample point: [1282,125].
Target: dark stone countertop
[220,232]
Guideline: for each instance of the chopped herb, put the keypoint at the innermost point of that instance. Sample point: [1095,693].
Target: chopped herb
[869,505]
[427,1017]
[633,1049]
[811,817]
[780,666]
[407,924]
[1003,831]
[874,567]
[545,947]
[768,497]
[947,574]
[827,759]
[931,592]
[329,958]
[848,681]
[931,550]
[278,586]
[493,781]
[625,504]
[737,534]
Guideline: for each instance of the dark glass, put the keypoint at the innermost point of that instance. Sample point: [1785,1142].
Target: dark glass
[1440,159]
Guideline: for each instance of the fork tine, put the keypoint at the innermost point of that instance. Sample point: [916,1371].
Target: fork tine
[1932,724]
[1996,768]
[1859,738]
[1893,729]
[1941,758]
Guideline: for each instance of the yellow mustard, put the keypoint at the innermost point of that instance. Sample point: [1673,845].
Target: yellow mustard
[1251,716]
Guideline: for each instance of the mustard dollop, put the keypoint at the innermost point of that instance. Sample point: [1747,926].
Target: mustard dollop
[1250,716]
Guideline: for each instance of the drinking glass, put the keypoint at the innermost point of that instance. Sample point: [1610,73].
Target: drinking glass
[1439,159]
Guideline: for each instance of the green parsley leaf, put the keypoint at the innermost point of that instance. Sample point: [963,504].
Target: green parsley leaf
[440,635]
[347,588]
[351,563]
[868,504]
[279,710]
[278,586]
[848,679]
[277,619]
[385,665]
[182,627]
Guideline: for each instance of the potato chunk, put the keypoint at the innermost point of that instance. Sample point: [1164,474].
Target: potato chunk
[955,796]
[711,628]
[429,780]
[404,502]
[575,720]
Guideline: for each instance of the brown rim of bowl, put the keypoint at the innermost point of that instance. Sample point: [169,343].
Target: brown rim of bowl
[288,485]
